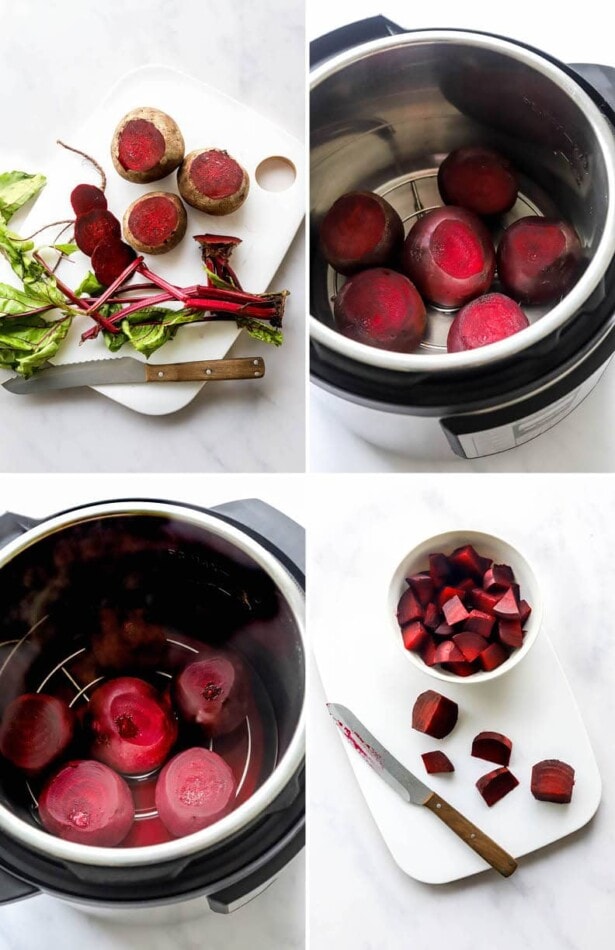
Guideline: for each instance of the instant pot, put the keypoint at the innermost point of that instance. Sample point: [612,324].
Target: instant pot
[387,105]
[233,574]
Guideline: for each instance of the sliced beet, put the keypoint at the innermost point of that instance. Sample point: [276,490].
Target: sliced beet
[422,585]
[436,762]
[110,259]
[93,227]
[482,600]
[434,714]
[428,652]
[440,569]
[454,611]
[493,747]
[495,785]
[447,652]
[88,803]
[414,635]
[212,693]
[382,308]
[86,198]
[360,230]
[470,644]
[195,789]
[493,656]
[433,617]
[479,179]
[552,781]
[498,577]
[409,608]
[507,608]
[36,730]
[467,560]
[479,622]
[510,633]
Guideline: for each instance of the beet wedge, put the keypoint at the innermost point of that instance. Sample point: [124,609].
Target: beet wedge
[495,785]
[436,762]
[552,781]
[493,747]
[434,714]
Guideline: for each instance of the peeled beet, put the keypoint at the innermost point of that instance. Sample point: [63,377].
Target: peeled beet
[447,652]
[422,585]
[493,656]
[479,622]
[470,644]
[409,608]
[110,259]
[478,179]
[213,694]
[507,608]
[195,789]
[132,728]
[483,321]
[552,781]
[36,730]
[360,230]
[86,198]
[213,181]
[538,259]
[88,803]
[454,611]
[469,562]
[492,746]
[414,635]
[381,308]
[495,785]
[147,145]
[155,223]
[93,227]
[435,762]
[510,633]
[434,714]
[450,257]
[440,569]
[498,577]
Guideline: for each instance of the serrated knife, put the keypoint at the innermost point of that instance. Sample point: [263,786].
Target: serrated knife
[416,792]
[125,369]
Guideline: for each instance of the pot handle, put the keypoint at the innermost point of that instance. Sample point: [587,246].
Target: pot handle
[12,525]
[600,78]
[353,34]
[269,524]
[13,889]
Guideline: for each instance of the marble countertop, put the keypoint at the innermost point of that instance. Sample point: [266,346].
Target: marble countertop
[561,897]
[253,53]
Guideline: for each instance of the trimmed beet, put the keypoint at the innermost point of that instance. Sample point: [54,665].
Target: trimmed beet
[498,577]
[538,259]
[155,223]
[211,180]
[381,308]
[483,321]
[147,145]
[470,644]
[36,730]
[447,652]
[129,642]
[131,726]
[93,227]
[436,762]
[479,622]
[360,230]
[450,257]
[507,608]
[493,656]
[479,179]
[495,785]
[493,747]
[110,259]
[195,789]
[422,585]
[88,803]
[414,635]
[552,781]
[434,714]
[510,633]
[409,608]
[86,198]
[454,611]
[433,617]
[213,694]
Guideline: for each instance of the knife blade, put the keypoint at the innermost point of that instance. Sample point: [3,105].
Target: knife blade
[414,791]
[125,369]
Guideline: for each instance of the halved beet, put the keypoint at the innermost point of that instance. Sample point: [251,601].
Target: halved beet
[86,198]
[435,762]
[131,726]
[414,635]
[440,569]
[470,644]
[409,608]
[495,785]
[479,179]
[88,803]
[93,227]
[447,652]
[110,259]
[195,789]
[434,714]
[486,320]
[507,608]
[479,622]
[492,746]
[493,656]
[213,694]
[381,308]
[510,633]
[36,730]
[539,259]
[552,781]
[422,585]
[484,601]
[498,577]
[468,561]
[454,611]
[433,617]
[360,230]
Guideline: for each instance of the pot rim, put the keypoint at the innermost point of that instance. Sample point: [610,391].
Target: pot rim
[584,287]
[54,847]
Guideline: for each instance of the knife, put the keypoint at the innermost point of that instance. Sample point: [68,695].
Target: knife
[413,790]
[125,369]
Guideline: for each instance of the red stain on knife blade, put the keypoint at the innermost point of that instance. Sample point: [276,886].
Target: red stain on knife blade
[359,744]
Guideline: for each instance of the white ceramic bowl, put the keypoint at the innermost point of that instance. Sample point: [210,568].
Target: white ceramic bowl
[487,545]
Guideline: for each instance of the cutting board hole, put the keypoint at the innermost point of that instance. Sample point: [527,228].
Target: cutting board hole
[276,173]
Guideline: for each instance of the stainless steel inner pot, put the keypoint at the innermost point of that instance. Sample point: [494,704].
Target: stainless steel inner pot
[201,578]
[386,113]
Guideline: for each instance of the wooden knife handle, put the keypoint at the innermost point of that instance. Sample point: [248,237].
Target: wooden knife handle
[251,367]
[492,853]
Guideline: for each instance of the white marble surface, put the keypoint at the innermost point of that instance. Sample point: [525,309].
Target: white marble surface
[582,442]
[254,53]
[561,898]
[274,920]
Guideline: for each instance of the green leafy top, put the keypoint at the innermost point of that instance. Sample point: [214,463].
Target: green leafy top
[16,188]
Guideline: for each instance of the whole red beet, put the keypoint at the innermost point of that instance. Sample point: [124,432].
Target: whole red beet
[360,230]
[538,259]
[213,693]
[485,320]
[88,803]
[478,179]
[381,308]
[450,257]
[36,730]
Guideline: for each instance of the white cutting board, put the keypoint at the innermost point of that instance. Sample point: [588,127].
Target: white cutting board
[362,667]
[266,223]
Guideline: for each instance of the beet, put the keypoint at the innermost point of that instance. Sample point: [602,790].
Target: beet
[428,652]
[495,785]
[422,585]
[447,593]
[507,607]
[524,611]
[449,255]
[381,308]
[361,230]
[538,259]
[88,803]
[447,652]
[195,789]
[454,611]
[434,714]
[414,635]
[493,656]
[492,746]
[435,762]
[483,600]
[479,622]
[213,694]
[131,726]
[155,223]
[86,198]
[433,617]
[440,569]
[128,642]
[93,227]
[211,180]
[409,608]
[483,321]
[36,730]
[470,644]
[110,259]
[498,577]
[478,179]
[510,633]
[444,630]
[552,781]
[461,668]
[147,145]
[469,562]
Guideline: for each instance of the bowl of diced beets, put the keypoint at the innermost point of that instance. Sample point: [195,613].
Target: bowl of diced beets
[465,606]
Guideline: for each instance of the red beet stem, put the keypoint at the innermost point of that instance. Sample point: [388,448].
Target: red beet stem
[132,267]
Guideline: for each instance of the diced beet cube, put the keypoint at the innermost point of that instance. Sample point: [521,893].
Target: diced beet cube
[510,633]
[447,593]
[493,747]
[498,577]
[524,611]
[408,608]
[422,585]
[414,635]
[435,762]
[482,600]
[461,669]
[495,785]
[552,781]
[470,644]
[439,569]
[493,656]
[434,714]
[447,652]
[485,563]
[444,630]
[428,652]
[467,561]
[466,585]
[454,611]
[433,617]
[507,608]
[479,622]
